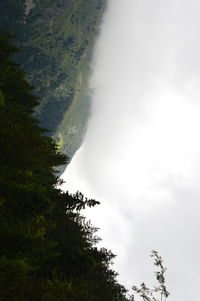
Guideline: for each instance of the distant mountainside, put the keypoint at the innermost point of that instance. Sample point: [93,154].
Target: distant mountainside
[56,38]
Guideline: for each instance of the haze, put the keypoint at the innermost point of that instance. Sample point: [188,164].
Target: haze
[141,154]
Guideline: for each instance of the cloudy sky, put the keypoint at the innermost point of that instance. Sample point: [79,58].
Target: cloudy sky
[141,154]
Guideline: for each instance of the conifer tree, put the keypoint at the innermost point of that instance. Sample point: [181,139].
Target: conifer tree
[48,250]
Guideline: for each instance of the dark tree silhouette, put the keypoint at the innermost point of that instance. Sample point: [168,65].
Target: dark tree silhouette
[159,292]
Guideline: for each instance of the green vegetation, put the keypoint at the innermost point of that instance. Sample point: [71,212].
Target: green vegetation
[48,250]
[56,38]
[159,292]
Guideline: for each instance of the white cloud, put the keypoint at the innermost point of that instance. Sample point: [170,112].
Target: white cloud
[141,154]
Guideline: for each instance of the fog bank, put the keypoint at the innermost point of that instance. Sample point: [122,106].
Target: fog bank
[141,154]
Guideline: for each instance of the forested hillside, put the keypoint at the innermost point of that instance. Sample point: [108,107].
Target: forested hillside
[47,250]
[56,38]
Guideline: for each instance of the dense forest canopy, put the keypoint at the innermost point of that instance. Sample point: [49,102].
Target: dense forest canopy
[48,249]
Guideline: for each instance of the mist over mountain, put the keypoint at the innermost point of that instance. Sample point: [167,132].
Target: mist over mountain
[140,156]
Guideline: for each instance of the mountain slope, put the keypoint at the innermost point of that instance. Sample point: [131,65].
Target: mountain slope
[56,38]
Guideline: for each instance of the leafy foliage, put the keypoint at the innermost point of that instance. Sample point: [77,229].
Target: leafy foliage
[159,292]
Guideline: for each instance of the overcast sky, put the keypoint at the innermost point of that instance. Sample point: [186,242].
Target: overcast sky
[141,154]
